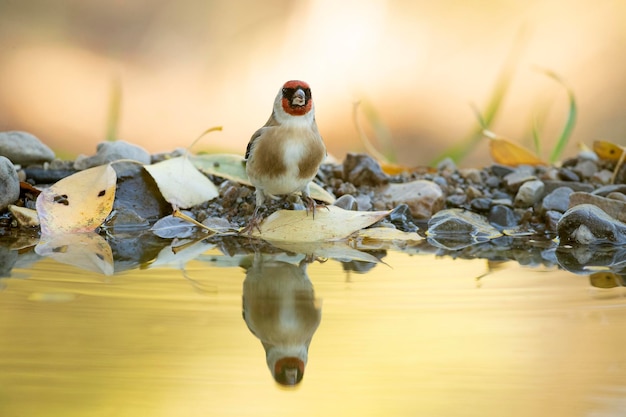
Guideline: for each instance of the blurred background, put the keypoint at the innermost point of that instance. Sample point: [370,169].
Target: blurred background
[416,66]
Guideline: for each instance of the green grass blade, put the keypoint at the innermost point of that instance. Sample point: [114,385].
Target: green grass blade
[115,105]
[569,123]
[458,151]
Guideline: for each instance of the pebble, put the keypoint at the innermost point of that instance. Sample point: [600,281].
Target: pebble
[423,197]
[461,225]
[23,148]
[361,169]
[502,217]
[614,208]
[9,183]
[112,151]
[529,193]
[586,224]
[558,200]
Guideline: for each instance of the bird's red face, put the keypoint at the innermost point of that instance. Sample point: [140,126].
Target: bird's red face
[296,99]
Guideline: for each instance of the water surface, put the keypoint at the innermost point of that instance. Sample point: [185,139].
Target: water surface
[420,336]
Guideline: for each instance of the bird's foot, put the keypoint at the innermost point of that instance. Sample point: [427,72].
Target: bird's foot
[254,223]
[311,205]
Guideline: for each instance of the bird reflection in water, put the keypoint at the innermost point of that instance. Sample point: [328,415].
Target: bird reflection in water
[280,309]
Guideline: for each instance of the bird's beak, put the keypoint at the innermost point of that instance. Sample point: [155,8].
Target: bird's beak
[299,98]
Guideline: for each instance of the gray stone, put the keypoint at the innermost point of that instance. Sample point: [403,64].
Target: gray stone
[9,183]
[529,193]
[502,217]
[423,197]
[558,200]
[613,207]
[587,224]
[360,169]
[23,148]
[113,151]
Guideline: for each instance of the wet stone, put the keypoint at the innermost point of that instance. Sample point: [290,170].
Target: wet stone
[360,169]
[460,224]
[112,151]
[22,148]
[614,208]
[558,200]
[9,183]
[515,179]
[401,218]
[586,224]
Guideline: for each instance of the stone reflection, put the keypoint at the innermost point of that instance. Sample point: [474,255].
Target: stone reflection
[280,309]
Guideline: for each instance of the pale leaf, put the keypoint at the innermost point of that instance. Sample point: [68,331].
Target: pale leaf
[78,203]
[339,251]
[330,223]
[388,234]
[181,184]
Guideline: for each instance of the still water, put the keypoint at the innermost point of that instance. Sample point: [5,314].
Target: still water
[417,336]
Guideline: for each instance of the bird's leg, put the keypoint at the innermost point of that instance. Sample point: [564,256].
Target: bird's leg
[257,216]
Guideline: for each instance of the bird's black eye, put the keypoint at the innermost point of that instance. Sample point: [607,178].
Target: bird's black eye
[288,93]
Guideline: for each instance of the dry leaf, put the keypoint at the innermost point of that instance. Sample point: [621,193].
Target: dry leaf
[78,203]
[181,184]
[25,217]
[607,150]
[83,250]
[232,167]
[330,223]
[505,152]
[388,234]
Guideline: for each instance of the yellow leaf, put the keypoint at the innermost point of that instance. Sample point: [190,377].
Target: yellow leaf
[331,223]
[607,150]
[78,203]
[505,152]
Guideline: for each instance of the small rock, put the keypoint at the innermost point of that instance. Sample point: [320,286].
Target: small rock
[614,208]
[586,224]
[112,151]
[576,186]
[9,183]
[446,166]
[423,197]
[401,218]
[617,196]
[456,200]
[501,170]
[472,175]
[558,200]
[360,169]
[23,148]
[473,192]
[529,193]
[480,204]
[567,174]
[552,218]
[602,177]
[607,189]
[586,168]
[502,217]
[515,179]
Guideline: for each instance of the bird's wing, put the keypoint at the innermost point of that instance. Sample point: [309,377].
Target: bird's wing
[270,122]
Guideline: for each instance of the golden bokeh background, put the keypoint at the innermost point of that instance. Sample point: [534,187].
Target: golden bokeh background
[416,65]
